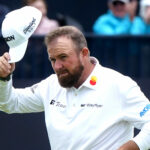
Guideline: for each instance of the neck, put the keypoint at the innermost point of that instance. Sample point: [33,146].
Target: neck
[88,68]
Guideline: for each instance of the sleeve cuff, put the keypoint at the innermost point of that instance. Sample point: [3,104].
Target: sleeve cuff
[6,78]
[143,138]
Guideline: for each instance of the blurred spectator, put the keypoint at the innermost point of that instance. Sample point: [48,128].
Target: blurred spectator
[68,20]
[46,24]
[3,11]
[143,26]
[116,21]
[132,7]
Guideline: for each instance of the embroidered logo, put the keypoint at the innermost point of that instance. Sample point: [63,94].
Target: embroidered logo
[146,108]
[30,27]
[93,80]
[57,104]
[9,38]
[91,105]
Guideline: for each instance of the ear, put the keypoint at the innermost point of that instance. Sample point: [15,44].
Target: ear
[85,52]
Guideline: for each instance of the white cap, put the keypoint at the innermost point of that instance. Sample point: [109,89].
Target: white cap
[17,27]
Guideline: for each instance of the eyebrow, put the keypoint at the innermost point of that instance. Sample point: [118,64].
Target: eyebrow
[62,54]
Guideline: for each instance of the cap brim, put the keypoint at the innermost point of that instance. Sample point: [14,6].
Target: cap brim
[17,53]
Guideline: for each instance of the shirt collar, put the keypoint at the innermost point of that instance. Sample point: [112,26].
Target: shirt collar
[93,80]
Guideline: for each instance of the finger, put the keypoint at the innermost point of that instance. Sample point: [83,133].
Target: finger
[12,67]
[3,72]
[4,62]
[6,56]
[4,68]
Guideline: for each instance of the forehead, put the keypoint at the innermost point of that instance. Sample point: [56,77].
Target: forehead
[61,39]
[61,45]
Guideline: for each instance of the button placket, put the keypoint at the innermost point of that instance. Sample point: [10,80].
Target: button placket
[75,98]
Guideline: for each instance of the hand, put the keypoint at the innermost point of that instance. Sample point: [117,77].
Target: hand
[5,67]
[130,145]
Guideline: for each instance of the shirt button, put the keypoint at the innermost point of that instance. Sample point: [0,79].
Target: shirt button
[75,94]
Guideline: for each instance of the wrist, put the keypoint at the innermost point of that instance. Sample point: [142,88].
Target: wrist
[5,78]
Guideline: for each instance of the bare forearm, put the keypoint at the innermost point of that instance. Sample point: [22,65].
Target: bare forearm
[130,145]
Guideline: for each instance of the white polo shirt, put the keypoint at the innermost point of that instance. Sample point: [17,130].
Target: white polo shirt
[99,115]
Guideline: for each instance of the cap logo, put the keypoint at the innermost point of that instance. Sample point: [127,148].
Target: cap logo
[30,27]
[93,80]
[9,38]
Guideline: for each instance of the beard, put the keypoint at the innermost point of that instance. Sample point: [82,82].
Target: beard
[67,79]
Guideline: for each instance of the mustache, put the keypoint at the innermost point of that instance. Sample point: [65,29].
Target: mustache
[61,71]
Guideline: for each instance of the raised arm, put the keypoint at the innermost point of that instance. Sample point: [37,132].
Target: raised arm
[5,68]
[13,100]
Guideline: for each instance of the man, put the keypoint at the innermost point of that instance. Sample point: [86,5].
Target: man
[87,106]
[116,21]
[142,25]
[132,7]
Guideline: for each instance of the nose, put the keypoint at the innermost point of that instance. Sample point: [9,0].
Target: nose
[57,65]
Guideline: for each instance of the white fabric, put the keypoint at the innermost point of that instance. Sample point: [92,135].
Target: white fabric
[17,27]
[98,116]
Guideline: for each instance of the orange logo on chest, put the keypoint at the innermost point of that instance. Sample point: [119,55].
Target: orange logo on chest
[93,80]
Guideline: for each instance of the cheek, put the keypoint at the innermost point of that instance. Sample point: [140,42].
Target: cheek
[71,61]
[70,65]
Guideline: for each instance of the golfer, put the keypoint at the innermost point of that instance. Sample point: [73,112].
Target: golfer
[87,106]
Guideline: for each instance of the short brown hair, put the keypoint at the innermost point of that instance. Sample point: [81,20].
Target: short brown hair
[69,31]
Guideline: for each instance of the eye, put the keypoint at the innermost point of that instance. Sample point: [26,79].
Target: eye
[63,57]
[52,60]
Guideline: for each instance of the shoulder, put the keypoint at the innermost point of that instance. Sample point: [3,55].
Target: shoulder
[138,26]
[49,86]
[117,78]
[50,82]
[51,79]
[138,19]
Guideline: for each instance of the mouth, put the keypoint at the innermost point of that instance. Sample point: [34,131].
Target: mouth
[62,74]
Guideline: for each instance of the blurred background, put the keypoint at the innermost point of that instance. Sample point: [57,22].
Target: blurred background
[128,54]
[84,11]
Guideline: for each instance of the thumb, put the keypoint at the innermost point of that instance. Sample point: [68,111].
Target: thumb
[12,67]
